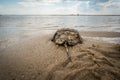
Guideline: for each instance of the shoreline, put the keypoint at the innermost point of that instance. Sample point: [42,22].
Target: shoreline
[103,36]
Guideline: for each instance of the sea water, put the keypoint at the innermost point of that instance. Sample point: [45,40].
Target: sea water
[17,27]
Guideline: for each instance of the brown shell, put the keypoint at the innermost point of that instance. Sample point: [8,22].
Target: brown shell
[69,36]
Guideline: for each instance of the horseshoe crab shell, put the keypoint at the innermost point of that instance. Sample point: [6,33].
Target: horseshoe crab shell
[67,36]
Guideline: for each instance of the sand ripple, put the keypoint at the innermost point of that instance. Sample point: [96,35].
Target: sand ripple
[90,64]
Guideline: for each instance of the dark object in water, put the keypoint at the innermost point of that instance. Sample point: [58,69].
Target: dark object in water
[67,37]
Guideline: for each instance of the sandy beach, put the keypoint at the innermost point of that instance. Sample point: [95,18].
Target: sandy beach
[38,58]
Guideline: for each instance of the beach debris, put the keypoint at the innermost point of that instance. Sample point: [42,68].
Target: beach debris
[67,37]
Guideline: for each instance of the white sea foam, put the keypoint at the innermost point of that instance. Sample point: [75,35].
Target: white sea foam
[115,40]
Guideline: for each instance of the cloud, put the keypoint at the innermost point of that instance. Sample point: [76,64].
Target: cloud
[111,4]
[68,9]
[76,8]
[51,6]
[110,7]
[34,3]
[73,6]
[103,7]
[64,7]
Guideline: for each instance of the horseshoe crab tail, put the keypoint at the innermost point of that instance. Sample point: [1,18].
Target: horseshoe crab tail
[67,50]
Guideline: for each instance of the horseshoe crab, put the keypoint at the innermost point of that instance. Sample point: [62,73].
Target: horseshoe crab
[67,37]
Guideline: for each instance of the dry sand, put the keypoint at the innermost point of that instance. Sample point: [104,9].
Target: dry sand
[38,58]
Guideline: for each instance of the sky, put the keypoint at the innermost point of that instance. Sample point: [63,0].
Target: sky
[64,7]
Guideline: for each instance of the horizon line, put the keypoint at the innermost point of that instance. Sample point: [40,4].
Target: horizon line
[61,14]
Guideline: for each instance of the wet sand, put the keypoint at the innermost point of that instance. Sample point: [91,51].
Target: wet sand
[100,34]
[38,58]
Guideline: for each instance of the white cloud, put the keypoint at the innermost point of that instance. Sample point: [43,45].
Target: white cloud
[74,9]
[46,8]
[110,7]
[110,3]
[34,3]
[62,7]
